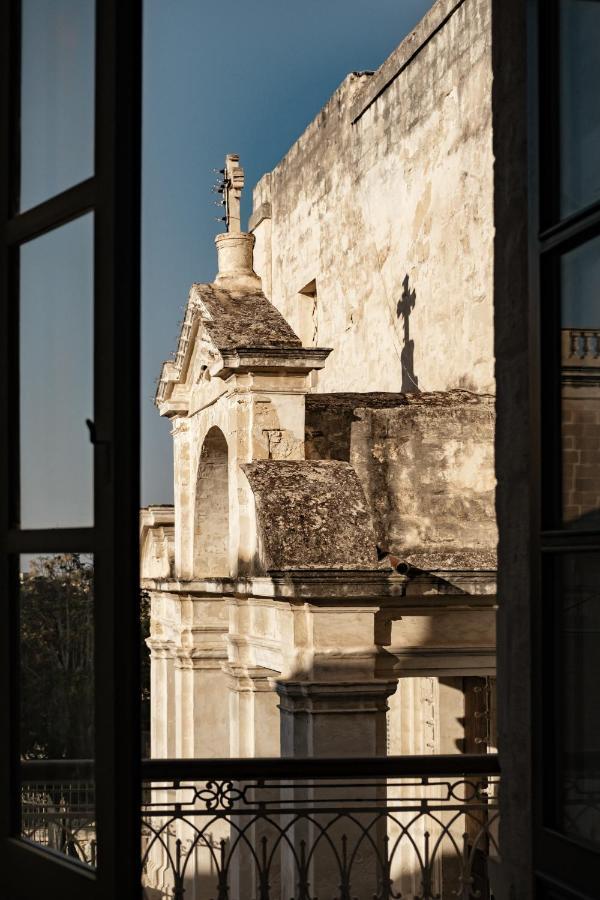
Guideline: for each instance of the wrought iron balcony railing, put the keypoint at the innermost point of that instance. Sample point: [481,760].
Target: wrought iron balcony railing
[282,829]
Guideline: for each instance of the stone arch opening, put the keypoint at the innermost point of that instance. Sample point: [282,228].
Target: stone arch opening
[211,510]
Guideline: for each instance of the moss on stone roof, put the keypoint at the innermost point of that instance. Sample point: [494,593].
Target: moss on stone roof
[242,318]
[312,515]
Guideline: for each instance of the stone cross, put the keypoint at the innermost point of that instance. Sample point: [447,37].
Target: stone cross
[232,190]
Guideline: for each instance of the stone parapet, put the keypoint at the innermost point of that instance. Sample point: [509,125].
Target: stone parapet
[403,55]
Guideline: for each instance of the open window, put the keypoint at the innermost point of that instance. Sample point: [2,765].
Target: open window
[70,90]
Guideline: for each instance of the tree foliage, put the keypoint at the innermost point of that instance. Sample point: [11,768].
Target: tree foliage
[57,658]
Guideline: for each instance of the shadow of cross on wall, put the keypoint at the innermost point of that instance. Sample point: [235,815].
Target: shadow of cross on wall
[404,307]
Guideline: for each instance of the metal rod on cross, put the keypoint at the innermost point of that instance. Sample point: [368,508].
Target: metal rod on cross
[233,183]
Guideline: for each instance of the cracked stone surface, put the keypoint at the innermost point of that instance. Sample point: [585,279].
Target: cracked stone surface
[312,514]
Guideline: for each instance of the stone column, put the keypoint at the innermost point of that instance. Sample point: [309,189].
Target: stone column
[331,718]
[202,722]
[334,719]
[413,730]
[254,732]
[158,874]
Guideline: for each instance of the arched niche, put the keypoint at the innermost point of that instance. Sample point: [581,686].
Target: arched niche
[211,509]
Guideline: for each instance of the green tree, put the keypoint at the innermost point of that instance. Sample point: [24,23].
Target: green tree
[57,658]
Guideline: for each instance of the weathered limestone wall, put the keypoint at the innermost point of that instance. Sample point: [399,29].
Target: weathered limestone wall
[429,474]
[426,465]
[385,204]
[257,417]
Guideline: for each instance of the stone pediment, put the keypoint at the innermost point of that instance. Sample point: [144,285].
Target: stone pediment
[221,326]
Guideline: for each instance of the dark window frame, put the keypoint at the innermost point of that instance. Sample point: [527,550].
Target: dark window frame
[563,867]
[113,195]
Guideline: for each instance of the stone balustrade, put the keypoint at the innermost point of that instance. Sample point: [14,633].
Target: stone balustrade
[580,347]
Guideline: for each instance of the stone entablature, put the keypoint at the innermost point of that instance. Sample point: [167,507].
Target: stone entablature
[319,637]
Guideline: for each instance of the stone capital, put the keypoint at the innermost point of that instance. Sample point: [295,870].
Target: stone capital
[330,697]
[253,679]
[161,649]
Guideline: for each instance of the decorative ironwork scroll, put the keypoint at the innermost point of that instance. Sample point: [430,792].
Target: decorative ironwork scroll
[423,837]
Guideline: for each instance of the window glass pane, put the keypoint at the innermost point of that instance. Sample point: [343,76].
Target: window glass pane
[577,585]
[580,371]
[579,25]
[56,359]
[57,703]
[57,96]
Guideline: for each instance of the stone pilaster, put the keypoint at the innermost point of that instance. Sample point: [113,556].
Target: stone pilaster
[162,692]
[200,684]
[184,497]
[254,720]
[253,711]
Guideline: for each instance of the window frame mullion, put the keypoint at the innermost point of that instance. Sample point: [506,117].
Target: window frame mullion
[112,194]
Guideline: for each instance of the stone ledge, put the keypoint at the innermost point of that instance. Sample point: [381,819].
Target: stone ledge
[259,215]
[445,661]
[252,360]
[330,697]
[402,56]
[366,587]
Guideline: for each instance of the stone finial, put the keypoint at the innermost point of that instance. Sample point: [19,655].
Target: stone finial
[235,247]
[233,184]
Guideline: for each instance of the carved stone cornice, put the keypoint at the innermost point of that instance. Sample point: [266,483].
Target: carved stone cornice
[161,649]
[367,587]
[253,679]
[194,658]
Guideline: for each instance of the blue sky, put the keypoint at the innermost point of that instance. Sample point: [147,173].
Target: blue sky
[238,77]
